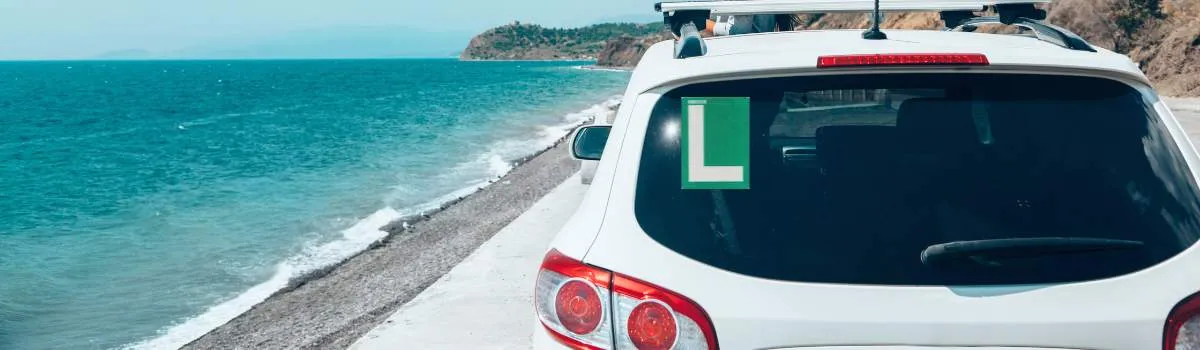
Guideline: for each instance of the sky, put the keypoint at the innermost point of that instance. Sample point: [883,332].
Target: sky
[64,29]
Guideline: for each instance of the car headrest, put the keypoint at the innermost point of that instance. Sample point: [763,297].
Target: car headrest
[1017,121]
[842,146]
[935,125]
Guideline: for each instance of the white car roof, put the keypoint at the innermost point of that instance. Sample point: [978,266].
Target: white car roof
[787,52]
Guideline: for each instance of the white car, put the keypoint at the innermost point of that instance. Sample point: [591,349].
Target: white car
[931,190]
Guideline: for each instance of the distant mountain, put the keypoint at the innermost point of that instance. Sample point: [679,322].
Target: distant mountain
[338,42]
[130,54]
[519,41]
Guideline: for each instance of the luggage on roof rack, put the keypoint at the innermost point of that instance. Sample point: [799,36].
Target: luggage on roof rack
[685,17]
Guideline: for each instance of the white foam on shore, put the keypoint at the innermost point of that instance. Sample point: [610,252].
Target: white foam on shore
[354,239]
[498,160]
[604,69]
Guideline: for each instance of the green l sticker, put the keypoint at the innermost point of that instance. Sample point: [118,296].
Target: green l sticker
[716,143]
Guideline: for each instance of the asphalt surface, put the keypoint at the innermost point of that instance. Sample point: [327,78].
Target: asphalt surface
[1187,111]
[485,302]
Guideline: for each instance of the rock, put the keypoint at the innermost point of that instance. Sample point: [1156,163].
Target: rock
[626,51]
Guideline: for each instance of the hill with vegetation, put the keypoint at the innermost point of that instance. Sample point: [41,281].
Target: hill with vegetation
[519,41]
[1162,36]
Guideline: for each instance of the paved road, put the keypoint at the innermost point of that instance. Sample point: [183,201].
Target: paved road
[1188,112]
[485,301]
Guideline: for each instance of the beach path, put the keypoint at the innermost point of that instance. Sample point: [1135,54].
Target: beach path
[1187,110]
[485,302]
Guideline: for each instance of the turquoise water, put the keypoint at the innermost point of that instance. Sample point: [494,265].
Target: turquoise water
[144,203]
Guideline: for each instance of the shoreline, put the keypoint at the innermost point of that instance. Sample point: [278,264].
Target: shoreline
[527,60]
[607,68]
[331,307]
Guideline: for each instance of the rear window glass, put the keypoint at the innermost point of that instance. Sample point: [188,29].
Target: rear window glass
[929,179]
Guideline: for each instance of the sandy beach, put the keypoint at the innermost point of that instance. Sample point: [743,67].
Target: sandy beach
[333,310]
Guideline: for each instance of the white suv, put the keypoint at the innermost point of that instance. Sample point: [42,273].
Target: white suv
[931,190]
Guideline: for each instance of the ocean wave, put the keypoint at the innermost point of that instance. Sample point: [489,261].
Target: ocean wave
[499,160]
[500,157]
[355,239]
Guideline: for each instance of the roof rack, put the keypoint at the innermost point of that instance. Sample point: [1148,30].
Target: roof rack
[1044,31]
[686,17]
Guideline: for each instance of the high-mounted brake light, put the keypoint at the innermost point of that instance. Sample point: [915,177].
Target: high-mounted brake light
[586,307]
[906,59]
[1182,330]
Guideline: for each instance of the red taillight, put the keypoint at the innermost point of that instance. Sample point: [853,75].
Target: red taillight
[1183,325]
[578,307]
[572,300]
[649,316]
[586,307]
[906,59]
[651,326]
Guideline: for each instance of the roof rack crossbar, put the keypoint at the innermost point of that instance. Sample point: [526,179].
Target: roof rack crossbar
[689,43]
[1044,31]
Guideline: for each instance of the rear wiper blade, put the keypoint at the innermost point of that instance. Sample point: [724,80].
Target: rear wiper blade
[987,251]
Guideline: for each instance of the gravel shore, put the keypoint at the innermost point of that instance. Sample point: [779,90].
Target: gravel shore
[332,309]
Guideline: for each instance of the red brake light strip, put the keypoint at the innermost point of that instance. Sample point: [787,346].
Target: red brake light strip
[907,59]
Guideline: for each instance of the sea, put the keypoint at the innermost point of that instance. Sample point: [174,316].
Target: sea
[144,203]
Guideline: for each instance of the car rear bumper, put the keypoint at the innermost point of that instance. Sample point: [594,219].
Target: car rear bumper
[542,340]
[905,347]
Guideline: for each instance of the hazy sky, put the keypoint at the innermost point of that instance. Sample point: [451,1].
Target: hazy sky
[31,29]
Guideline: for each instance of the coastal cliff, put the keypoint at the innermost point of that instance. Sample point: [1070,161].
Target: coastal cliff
[625,51]
[518,41]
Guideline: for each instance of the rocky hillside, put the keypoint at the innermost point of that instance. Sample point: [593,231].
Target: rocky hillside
[1163,36]
[625,51]
[518,41]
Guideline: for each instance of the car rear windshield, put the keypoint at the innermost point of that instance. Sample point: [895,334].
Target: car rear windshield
[927,179]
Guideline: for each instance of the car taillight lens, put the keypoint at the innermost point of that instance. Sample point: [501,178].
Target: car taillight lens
[651,317]
[578,306]
[651,325]
[586,307]
[572,301]
[901,60]
[1183,325]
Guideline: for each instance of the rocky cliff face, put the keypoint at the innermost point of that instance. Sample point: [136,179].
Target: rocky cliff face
[533,42]
[626,51]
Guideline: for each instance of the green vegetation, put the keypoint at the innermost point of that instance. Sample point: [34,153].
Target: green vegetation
[531,41]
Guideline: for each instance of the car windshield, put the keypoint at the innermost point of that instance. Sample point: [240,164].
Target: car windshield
[994,178]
